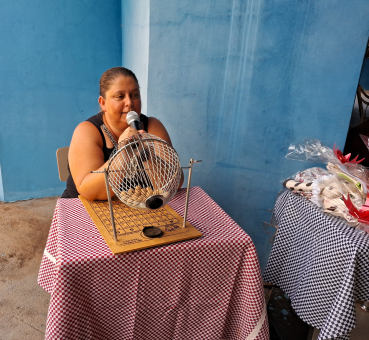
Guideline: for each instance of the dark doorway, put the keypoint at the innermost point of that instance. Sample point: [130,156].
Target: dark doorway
[359,123]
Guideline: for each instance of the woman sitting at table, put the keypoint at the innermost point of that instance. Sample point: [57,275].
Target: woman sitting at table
[91,146]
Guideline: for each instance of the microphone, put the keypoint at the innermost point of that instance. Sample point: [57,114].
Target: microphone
[133,119]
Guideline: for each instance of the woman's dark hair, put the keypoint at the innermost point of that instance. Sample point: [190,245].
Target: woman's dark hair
[109,76]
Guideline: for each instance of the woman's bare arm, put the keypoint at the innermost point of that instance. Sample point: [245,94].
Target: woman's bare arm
[86,155]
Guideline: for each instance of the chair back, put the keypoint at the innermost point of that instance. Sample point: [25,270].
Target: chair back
[362,99]
[62,159]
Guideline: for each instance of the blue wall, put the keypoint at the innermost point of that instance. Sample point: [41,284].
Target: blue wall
[135,41]
[52,56]
[1,187]
[236,82]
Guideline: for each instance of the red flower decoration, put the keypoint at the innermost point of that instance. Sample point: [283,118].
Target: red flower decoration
[363,214]
[345,159]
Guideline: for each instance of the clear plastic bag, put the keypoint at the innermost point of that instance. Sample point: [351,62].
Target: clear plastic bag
[310,175]
[345,179]
[331,192]
[303,183]
[310,150]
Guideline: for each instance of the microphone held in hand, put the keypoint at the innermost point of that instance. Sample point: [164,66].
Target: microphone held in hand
[133,119]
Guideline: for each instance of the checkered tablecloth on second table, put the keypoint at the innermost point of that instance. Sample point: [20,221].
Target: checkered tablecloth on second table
[321,263]
[206,288]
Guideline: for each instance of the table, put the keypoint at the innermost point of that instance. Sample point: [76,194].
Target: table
[206,288]
[321,263]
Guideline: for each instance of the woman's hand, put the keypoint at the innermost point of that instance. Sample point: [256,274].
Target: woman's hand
[130,131]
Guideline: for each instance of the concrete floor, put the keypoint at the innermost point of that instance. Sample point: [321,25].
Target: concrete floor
[24,227]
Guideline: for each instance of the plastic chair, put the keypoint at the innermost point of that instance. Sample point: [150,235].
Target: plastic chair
[62,159]
[362,98]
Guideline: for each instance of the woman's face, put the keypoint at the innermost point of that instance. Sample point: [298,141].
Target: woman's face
[122,97]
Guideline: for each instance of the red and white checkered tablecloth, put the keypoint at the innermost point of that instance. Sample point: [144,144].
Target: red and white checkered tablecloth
[206,288]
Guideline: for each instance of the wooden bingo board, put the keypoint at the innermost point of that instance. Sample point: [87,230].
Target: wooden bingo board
[129,223]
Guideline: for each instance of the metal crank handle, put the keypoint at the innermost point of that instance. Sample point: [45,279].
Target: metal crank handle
[191,162]
[188,188]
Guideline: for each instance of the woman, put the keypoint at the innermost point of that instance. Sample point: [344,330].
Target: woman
[91,146]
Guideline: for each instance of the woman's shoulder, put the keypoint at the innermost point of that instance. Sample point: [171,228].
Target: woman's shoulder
[91,124]
[157,128]
[88,131]
[96,120]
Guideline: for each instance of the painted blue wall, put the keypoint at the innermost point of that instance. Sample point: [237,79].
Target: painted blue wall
[135,42]
[52,56]
[1,187]
[235,82]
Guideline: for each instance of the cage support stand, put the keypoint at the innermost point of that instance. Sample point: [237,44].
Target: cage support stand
[110,204]
[188,189]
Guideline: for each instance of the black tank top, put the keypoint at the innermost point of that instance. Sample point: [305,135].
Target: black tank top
[97,120]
